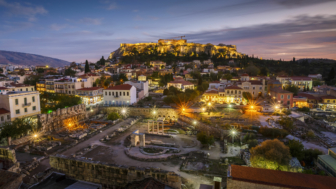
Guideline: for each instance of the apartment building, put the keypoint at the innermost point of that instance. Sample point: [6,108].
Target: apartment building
[181,84]
[69,85]
[120,95]
[255,87]
[21,103]
[298,81]
[10,87]
[91,95]
[140,85]
[4,116]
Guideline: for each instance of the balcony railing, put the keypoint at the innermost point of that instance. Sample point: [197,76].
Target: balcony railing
[26,104]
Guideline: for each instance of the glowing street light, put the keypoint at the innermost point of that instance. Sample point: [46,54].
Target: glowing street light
[233,134]
[195,122]
[209,104]
[154,112]
[203,109]
[35,135]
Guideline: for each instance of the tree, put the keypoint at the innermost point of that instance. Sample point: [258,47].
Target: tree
[113,116]
[165,92]
[292,88]
[122,77]
[87,67]
[271,154]
[331,74]
[18,127]
[296,149]
[316,82]
[252,143]
[252,70]
[227,76]
[286,122]
[247,96]
[69,72]
[32,80]
[205,139]
[273,132]
[263,71]
[310,134]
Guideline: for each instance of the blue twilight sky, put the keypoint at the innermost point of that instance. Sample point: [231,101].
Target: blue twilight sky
[75,30]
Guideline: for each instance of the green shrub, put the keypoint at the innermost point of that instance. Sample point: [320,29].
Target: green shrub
[113,116]
[273,132]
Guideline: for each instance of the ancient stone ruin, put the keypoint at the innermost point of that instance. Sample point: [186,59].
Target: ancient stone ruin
[138,139]
[55,120]
[8,160]
[110,175]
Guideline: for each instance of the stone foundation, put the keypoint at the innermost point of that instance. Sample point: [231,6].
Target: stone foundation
[169,114]
[110,175]
[54,120]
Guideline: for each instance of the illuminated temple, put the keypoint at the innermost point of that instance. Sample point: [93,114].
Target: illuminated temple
[178,47]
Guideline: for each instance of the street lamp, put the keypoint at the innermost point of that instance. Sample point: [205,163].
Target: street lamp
[233,133]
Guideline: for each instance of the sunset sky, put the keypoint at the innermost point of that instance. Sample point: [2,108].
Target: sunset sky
[75,30]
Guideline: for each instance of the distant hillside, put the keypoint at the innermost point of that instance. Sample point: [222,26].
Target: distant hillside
[9,57]
[317,60]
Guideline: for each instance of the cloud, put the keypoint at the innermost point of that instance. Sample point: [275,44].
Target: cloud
[109,5]
[138,18]
[91,21]
[302,34]
[26,10]
[58,27]
[300,3]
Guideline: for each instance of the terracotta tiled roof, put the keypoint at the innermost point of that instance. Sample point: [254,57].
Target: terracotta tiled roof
[282,179]
[120,87]
[233,87]
[4,111]
[300,78]
[309,96]
[211,91]
[3,88]
[328,97]
[279,90]
[245,74]
[90,88]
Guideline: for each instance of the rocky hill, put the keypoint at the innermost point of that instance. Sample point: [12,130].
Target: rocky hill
[18,58]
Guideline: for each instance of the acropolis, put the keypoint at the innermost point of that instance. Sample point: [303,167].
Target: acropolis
[179,47]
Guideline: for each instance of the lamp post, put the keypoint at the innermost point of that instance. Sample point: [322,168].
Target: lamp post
[233,133]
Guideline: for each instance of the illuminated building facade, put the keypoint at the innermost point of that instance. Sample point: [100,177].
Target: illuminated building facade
[91,95]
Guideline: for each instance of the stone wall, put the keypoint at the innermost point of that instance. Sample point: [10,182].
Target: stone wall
[233,184]
[7,157]
[54,120]
[110,175]
[168,113]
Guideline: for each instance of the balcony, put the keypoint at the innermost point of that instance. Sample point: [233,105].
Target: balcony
[26,105]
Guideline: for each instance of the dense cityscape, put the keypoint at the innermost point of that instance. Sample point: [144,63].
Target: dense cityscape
[170,114]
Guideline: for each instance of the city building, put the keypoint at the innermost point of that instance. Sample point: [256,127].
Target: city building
[91,95]
[180,84]
[157,64]
[255,87]
[328,162]
[4,116]
[69,85]
[282,97]
[233,94]
[140,85]
[21,103]
[256,178]
[327,102]
[300,101]
[120,95]
[298,81]
[142,78]
[41,86]
[315,76]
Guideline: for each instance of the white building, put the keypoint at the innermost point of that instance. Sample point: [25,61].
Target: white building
[140,85]
[21,103]
[69,85]
[299,81]
[181,84]
[315,76]
[4,116]
[120,95]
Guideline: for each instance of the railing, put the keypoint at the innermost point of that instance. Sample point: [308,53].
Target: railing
[26,104]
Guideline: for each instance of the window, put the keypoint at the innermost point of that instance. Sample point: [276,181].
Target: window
[128,95]
[26,89]
[281,101]
[253,92]
[17,111]
[8,117]
[26,110]
[2,118]
[288,96]
[282,96]
[112,93]
[25,101]
[228,92]
[328,100]
[20,89]
[69,92]
[253,88]
[124,93]
[260,88]
[120,94]
[288,102]
[16,101]
[32,89]
[34,108]
[105,93]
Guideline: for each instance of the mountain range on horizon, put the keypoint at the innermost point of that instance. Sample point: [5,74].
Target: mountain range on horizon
[19,58]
